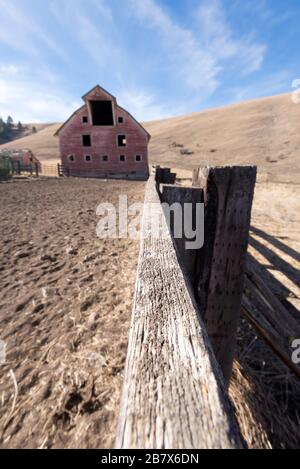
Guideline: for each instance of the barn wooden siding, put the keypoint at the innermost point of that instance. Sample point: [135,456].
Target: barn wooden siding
[104,143]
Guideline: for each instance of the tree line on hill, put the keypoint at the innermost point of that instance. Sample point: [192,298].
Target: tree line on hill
[8,128]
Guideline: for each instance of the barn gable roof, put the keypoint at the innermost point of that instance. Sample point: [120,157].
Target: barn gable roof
[109,95]
[68,120]
[137,122]
[101,90]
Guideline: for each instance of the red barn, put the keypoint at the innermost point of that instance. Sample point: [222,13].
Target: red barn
[102,140]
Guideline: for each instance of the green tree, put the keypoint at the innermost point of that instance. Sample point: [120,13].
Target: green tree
[9,122]
[3,128]
[20,126]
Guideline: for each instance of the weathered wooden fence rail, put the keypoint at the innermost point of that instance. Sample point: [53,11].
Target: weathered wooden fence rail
[221,264]
[272,322]
[174,395]
[21,168]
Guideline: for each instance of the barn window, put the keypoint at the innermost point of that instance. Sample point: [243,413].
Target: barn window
[71,158]
[85,120]
[102,112]
[105,158]
[122,158]
[121,120]
[138,158]
[87,158]
[86,141]
[122,141]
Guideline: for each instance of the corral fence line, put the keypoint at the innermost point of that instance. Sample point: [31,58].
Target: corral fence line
[185,317]
[60,170]
[18,162]
[67,171]
[186,311]
[218,277]
[19,169]
[54,170]
[271,320]
[50,169]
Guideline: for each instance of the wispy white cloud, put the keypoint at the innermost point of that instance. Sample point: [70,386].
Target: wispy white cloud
[264,11]
[185,56]
[271,84]
[103,8]
[196,57]
[29,98]
[185,62]
[218,38]
[20,31]
[9,69]
[90,23]
[144,105]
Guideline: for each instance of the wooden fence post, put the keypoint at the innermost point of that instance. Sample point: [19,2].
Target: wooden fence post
[182,196]
[228,193]
[164,176]
[173,392]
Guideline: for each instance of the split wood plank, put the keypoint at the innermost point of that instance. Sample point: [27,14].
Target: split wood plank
[270,319]
[173,395]
[174,197]
[228,193]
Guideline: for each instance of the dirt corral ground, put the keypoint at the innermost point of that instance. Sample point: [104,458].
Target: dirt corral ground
[65,308]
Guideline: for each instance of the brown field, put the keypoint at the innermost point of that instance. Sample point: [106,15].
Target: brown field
[64,313]
[65,310]
[262,132]
[25,132]
[67,344]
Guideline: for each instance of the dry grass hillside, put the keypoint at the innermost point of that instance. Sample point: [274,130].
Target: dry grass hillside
[265,132]
[16,134]
[43,144]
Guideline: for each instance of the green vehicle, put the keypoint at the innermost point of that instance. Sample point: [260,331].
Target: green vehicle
[6,167]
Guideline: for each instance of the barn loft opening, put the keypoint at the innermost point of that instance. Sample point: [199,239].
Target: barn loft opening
[121,140]
[85,120]
[102,112]
[86,141]
[121,120]
[122,158]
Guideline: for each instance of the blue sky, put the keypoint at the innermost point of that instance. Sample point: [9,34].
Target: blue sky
[160,58]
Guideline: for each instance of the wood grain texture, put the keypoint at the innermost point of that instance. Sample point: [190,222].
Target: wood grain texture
[270,319]
[174,195]
[164,176]
[173,395]
[228,194]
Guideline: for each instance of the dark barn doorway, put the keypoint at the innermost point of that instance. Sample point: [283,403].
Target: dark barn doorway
[102,112]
